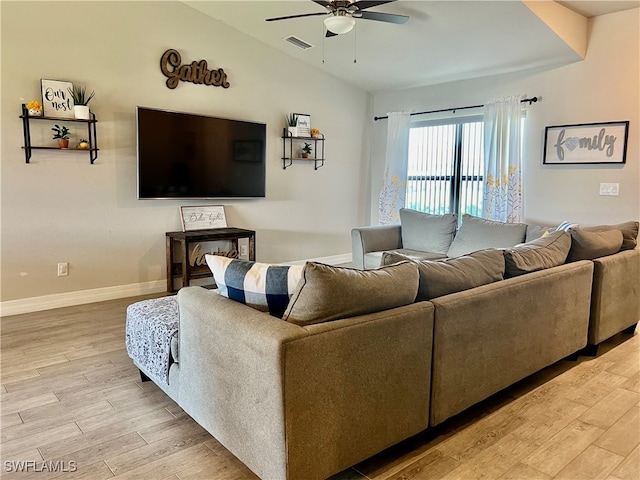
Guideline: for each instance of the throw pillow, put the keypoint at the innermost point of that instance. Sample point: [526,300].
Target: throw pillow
[479,234]
[427,233]
[441,277]
[537,231]
[629,233]
[566,226]
[330,293]
[587,245]
[264,287]
[544,252]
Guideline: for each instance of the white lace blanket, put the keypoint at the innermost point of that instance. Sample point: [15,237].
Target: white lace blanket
[151,324]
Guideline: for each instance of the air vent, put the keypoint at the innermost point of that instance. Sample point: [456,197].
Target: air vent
[298,42]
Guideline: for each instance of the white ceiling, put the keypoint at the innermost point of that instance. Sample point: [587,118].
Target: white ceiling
[593,8]
[443,41]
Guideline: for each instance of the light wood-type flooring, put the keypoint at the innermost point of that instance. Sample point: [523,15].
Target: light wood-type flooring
[71,396]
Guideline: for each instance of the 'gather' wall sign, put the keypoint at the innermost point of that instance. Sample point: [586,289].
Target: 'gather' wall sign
[196,72]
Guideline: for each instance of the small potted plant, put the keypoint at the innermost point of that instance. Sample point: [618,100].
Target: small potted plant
[306,150]
[62,135]
[35,108]
[292,124]
[81,101]
[83,144]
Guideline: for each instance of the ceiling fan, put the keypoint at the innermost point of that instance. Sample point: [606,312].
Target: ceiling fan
[344,12]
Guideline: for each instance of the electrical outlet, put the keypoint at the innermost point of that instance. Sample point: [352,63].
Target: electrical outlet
[63,269]
[610,189]
[243,250]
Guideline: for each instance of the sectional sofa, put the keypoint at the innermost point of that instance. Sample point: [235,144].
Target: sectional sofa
[362,359]
[615,296]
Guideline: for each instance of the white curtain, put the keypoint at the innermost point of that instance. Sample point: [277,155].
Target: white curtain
[503,160]
[394,182]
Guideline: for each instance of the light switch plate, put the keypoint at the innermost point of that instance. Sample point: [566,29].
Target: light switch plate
[610,189]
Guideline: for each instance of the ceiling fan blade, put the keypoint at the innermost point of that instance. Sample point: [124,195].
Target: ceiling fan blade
[322,2]
[364,4]
[330,34]
[384,17]
[295,16]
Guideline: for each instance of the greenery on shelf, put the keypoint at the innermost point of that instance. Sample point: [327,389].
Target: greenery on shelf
[79,95]
[292,120]
[60,132]
[306,148]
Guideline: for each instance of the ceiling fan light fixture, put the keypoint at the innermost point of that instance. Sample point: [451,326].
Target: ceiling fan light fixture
[339,24]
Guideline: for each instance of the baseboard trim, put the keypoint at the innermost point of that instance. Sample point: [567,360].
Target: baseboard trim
[81,297]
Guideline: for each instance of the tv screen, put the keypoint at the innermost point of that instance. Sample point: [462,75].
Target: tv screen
[182,155]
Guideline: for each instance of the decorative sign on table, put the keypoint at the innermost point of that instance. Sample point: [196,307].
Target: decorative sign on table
[304,124]
[56,98]
[588,143]
[195,72]
[197,256]
[202,218]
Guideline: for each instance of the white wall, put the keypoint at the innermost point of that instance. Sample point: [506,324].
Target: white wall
[602,88]
[60,208]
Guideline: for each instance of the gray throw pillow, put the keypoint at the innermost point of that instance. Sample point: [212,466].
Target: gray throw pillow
[441,277]
[586,245]
[629,233]
[330,293]
[537,231]
[478,234]
[544,252]
[427,233]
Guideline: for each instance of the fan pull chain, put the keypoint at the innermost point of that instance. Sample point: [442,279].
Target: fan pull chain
[355,43]
[324,34]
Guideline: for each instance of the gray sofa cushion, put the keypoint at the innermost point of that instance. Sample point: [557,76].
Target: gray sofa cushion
[330,293]
[374,259]
[629,233]
[537,231]
[478,234]
[544,252]
[586,245]
[441,277]
[427,233]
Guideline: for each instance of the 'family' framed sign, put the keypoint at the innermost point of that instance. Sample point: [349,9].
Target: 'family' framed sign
[587,143]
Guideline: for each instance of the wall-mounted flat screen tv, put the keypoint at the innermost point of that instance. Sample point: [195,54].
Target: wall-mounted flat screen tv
[181,155]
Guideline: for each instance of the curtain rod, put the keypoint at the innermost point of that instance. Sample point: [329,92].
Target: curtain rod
[524,100]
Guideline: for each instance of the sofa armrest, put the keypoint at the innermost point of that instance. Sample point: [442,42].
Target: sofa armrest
[374,239]
[303,402]
[615,299]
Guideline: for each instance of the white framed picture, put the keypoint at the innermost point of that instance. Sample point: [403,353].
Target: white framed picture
[202,218]
[304,124]
[56,98]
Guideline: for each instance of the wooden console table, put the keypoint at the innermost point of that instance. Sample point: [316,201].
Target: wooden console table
[183,268]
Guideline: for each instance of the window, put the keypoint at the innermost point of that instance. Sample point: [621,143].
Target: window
[446,166]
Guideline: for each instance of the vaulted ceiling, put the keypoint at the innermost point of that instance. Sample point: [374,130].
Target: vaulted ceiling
[442,41]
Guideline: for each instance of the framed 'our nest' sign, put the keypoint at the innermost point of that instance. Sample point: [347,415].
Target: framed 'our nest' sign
[587,143]
[56,98]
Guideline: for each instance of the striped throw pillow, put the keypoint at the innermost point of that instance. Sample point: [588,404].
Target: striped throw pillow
[264,287]
[566,226]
